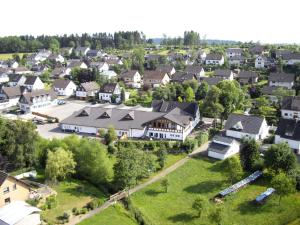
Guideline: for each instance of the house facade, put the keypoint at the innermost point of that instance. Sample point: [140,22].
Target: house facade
[260,62]
[64,87]
[109,90]
[285,80]
[223,147]
[155,78]
[132,78]
[290,107]
[224,74]
[16,80]
[33,83]
[9,96]
[87,90]
[214,59]
[232,52]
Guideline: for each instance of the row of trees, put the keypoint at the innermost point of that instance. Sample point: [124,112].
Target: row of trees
[120,40]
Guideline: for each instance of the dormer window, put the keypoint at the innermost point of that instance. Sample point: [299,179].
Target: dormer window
[238,126]
[106,114]
[83,113]
[129,116]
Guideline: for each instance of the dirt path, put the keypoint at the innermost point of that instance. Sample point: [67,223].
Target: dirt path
[163,173]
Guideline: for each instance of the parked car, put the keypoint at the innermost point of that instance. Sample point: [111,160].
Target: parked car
[61,102]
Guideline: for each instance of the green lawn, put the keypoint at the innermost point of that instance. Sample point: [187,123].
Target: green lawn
[114,215]
[70,194]
[203,177]
[6,56]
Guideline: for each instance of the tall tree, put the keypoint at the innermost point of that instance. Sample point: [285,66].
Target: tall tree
[249,154]
[283,185]
[189,95]
[232,169]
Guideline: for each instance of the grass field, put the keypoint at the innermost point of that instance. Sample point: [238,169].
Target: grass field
[115,215]
[203,177]
[70,194]
[6,56]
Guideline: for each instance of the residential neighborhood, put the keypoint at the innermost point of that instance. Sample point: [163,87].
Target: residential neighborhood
[107,127]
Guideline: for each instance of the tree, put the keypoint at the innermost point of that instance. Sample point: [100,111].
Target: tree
[54,45]
[232,169]
[279,157]
[138,59]
[283,185]
[161,157]
[189,95]
[249,154]
[202,91]
[60,164]
[165,184]
[216,216]
[111,135]
[199,205]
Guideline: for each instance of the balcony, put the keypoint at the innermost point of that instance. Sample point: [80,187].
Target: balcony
[164,129]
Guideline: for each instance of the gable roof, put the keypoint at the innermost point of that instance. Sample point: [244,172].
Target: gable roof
[29,96]
[108,88]
[195,69]
[90,86]
[183,76]
[30,80]
[213,56]
[128,74]
[11,92]
[15,77]
[61,83]
[212,80]
[234,50]
[165,68]
[248,74]
[222,73]
[289,129]
[291,103]
[154,74]
[244,123]
[289,56]
[74,63]
[282,77]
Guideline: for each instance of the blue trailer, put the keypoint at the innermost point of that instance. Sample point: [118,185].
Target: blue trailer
[264,196]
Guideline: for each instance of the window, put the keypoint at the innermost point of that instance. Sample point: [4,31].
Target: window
[14,187]
[5,190]
[7,201]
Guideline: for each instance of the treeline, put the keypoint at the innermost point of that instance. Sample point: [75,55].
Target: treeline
[27,43]
[190,38]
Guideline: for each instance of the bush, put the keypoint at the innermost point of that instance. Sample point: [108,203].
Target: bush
[112,149]
[33,202]
[213,132]
[202,137]
[50,203]
[102,133]
[189,145]
[93,204]
[83,211]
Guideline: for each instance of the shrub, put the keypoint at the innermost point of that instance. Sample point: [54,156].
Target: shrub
[51,202]
[33,202]
[83,211]
[202,137]
[102,133]
[112,149]
[92,205]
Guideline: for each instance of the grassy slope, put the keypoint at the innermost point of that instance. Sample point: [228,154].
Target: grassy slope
[203,177]
[71,194]
[6,56]
[115,215]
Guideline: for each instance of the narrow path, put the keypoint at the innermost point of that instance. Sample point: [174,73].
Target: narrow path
[163,173]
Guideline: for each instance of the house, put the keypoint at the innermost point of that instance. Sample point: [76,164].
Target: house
[10,96]
[239,126]
[260,62]
[16,80]
[12,189]
[237,60]
[114,62]
[256,50]
[109,74]
[201,55]
[64,87]
[21,70]
[180,77]
[42,55]
[81,51]
[3,75]
[110,92]
[214,59]
[196,70]
[33,83]
[19,213]
[37,99]
[155,78]
[76,63]
[39,69]
[100,66]
[165,120]
[66,51]
[288,130]
[279,53]
[94,53]
[56,58]
[87,90]
[60,72]
[232,52]
[170,70]
[211,80]
[290,107]
[270,92]
[223,147]
[224,74]
[131,78]
[247,77]
[13,64]
[282,80]
[291,58]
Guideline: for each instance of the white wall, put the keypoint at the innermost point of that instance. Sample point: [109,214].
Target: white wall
[240,135]
[292,143]
[81,94]
[290,114]
[282,84]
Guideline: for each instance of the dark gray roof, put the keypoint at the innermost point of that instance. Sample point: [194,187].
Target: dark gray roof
[29,96]
[183,76]
[282,77]
[128,74]
[269,90]
[248,74]
[291,56]
[246,123]
[289,129]
[195,69]
[223,139]
[291,103]
[30,80]
[61,83]
[222,73]
[74,63]
[235,50]
[155,75]
[165,68]
[108,88]
[212,80]
[257,49]
[15,77]
[90,86]
[236,57]
[3,177]
[213,56]
[219,148]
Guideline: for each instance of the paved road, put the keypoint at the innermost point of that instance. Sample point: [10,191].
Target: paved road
[163,173]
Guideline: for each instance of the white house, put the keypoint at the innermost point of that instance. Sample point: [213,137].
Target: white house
[3,75]
[16,80]
[81,51]
[197,70]
[101,66]
[132,78]
[166,120]
[288,130]
[64,87]
[34,83]
[291,58]
[87,90]
[260,62]
[9,96]
[285,80]
[42,55]
[201,55]
[223,147]
[239,126]
[169,69]
[109,90]
[56,58]
[214,59]
[37,99]
[76,63]
[232,52]
[290,107]
[155,78]
[224,74]
[109,74]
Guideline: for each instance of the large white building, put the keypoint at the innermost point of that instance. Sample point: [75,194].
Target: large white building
[165,120]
